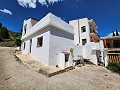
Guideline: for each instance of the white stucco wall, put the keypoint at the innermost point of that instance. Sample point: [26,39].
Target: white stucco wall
[61,41]
[39,53]
[83,35]
[89,51]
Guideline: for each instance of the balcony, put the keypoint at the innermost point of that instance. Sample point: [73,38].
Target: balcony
[94,36]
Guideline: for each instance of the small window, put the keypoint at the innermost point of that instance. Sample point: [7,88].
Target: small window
[40,41]
[83,29]
[84,41]
[24,45]
[25,28]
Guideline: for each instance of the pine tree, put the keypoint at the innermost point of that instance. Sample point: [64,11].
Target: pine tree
[0,25]
[113,33]
[117,33]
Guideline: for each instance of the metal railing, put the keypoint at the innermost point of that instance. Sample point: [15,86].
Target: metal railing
[114,57]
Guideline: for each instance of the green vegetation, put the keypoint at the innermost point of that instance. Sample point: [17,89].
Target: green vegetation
[17,41]
[4,33]
[114,66]
[9,38]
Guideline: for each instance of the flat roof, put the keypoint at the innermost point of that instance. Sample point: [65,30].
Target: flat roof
[49,20]
[111,38]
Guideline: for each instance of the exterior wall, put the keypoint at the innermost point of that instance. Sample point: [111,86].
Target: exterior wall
[89,53]
[77,24]
[74,23]
[94,52]
[61,41]
[30,23]
[39,53]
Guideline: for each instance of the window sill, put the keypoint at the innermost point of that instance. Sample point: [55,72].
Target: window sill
[38,46]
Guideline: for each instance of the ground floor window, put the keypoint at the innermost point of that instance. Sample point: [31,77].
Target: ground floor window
[24,43]
[40,41]
[84,41]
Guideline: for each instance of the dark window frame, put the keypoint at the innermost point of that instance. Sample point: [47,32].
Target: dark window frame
[24,45]
[84,41]
[83,29]
[40,41]
[25,29]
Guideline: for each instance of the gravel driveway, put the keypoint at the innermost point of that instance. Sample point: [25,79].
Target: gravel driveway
[16,76]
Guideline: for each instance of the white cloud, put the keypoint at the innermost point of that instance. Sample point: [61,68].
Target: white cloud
[6,11]
[32,3]
[43,2]
[27,3]
[53,1]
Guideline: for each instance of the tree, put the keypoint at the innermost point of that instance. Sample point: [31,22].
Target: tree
[0,25]
[117,34]
[17,41]
[4,33]
[113,33]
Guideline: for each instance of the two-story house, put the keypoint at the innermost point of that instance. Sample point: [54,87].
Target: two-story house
[49,41]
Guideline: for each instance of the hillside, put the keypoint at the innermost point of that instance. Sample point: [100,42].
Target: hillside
[9,38]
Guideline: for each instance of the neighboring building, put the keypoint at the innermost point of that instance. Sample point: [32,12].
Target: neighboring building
[85,31]
[112,41]
[50,41]
[86,35]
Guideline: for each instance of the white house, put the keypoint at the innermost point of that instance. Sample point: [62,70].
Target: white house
[86,35]
[49,41]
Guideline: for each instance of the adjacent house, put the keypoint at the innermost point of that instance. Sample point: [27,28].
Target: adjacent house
[51,40]
[112,40]
[85,31]
[86,35]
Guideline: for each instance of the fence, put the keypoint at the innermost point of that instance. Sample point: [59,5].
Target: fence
[114,57]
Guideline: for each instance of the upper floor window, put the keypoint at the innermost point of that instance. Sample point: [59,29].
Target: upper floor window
[83,29]
[40,41]
[25,28]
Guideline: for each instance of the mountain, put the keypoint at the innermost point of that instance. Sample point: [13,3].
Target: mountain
[9,38]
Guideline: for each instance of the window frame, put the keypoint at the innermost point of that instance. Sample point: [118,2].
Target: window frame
[25,29]
[85,41]
[24,45]
[83,29]
[40,41]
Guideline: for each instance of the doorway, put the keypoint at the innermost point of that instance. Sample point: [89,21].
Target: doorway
[30,45]
[66,59]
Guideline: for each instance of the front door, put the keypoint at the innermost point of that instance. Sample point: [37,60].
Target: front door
[66,59]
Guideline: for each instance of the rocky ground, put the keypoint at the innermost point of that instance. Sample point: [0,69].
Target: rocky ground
[16,76]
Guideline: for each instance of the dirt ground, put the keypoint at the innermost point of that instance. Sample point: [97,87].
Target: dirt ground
[15,76]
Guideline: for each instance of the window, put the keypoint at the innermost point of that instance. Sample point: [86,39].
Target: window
[83,29]
[84,41]
[25,28]
[40,41]
[24,45]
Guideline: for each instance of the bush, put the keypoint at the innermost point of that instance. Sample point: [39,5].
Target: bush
[17,41]
[114,66]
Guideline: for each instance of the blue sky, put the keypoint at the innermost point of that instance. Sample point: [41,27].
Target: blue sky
[106,13]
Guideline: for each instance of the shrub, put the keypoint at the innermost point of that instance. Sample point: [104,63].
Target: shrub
[17,41]
[114,66]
